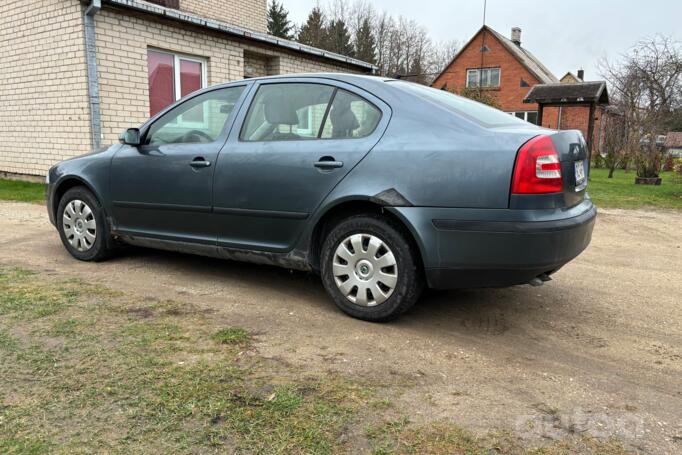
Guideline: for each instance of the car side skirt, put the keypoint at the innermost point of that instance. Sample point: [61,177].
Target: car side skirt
[292,260]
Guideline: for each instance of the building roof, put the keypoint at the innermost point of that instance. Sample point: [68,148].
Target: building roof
[531,62]
[570,78]
[212,24]
[523,56]
[581,92]
[673,139]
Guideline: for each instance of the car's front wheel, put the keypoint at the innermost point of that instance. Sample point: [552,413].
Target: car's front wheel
[370,268]
[82,225]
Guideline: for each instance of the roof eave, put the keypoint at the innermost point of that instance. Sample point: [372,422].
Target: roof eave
[572,100]
[223,27]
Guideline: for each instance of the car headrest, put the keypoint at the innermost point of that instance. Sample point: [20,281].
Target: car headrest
[342,117]
[279,110]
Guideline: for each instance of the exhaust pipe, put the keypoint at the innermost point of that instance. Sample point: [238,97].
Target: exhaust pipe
[540,280]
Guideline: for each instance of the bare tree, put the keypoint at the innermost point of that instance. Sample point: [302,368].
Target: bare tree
[398,46]
[647,82]
[614,143]
[442,55]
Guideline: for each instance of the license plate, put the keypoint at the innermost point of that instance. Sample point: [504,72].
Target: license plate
[579,172]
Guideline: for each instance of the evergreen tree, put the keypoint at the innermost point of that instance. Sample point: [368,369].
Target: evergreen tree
[365,44]
[278,21]
[313,32]
[338,38]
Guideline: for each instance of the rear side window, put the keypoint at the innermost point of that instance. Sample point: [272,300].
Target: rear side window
[478,112]
[350,116]
[296,111]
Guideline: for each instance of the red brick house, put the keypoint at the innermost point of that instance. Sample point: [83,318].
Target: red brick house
[500,65]
[509,72]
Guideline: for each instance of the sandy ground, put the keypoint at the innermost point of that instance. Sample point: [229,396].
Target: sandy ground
[597,351]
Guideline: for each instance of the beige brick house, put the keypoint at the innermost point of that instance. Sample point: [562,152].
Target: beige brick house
[75,73]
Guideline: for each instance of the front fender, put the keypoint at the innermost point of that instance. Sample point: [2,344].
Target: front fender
[91,170]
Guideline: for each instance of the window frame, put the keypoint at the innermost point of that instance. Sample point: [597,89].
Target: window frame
[336,88]
[479,77]
[177,58]
[147,126]
[525,115]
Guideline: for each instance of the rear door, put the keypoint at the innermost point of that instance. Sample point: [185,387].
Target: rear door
[287,151]
[163,188]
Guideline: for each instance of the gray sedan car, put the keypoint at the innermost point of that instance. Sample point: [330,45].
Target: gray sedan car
[380,186]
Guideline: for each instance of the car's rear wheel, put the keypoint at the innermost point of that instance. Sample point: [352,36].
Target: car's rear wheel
[82,225]
[370,268]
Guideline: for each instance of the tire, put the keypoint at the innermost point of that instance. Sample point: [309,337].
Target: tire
[347,272]
[82,207]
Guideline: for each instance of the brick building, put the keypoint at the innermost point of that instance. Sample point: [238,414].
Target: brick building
[75,73]
[506,70]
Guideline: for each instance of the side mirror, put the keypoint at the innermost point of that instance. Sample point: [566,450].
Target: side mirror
[131,136]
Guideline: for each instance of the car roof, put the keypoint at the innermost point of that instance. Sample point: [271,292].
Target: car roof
[360,80]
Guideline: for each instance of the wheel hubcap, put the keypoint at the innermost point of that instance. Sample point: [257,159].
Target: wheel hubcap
[365,269]
[79,225]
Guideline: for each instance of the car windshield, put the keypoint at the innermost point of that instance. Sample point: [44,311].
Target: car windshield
[476,111]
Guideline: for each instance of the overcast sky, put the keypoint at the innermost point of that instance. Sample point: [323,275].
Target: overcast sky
[564,35]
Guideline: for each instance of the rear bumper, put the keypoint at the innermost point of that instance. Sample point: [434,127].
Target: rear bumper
[464,248]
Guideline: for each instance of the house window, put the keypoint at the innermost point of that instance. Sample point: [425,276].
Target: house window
[483,77]
[529,116]
[172,76]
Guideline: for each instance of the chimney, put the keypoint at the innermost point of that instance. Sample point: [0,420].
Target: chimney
[516,36]
[581,75]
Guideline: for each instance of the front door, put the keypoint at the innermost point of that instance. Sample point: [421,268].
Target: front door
[162,188]
[295,143]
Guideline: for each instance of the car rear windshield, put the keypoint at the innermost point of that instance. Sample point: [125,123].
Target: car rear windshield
[479,112]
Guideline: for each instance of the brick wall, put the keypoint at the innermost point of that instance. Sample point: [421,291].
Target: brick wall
[44,113]
[510,94]
[249,14]
[257,65]
[122,42]
[575,117]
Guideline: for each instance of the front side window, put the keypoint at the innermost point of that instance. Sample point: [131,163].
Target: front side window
[198,120]
[483,77]
[281,112]
[172,76]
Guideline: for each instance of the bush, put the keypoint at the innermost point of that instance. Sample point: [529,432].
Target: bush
[677,167]
[598,161]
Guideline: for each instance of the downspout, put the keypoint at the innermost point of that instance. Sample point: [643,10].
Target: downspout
[93,82]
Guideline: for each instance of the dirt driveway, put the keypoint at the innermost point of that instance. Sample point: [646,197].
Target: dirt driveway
[597,351]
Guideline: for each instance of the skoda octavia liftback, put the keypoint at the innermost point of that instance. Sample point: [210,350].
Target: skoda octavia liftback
[380,186]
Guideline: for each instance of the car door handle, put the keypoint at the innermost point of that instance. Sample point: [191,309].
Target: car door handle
[199,162]
[328,163]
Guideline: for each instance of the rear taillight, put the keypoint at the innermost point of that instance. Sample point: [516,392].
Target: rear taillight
[537,169]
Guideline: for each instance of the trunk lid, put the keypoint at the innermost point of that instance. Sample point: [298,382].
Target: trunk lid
[573,156]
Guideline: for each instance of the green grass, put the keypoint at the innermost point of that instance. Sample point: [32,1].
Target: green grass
[231,335]
[618,192]
[14,190]
[85,369]
[92,370]
[621,191]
